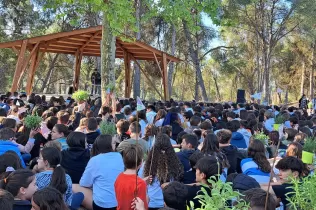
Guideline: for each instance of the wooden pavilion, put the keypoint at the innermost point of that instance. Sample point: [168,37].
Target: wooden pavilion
[84,42]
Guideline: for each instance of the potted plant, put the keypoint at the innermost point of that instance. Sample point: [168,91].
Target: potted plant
[107,128]
[303,193]
[309,150]
[261,137]
[278,121]
[32,122]
[221,193]
[110,88]
[80,96]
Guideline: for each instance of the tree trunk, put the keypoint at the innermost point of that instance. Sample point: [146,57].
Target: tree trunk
[217,88]
[286,100]
[171,65]
[46,82]
[196,88]
[311,76]
[136,90]
[303,77]
[194,56]
[266,80]
[108,49]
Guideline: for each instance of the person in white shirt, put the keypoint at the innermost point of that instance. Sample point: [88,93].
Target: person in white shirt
[150,114]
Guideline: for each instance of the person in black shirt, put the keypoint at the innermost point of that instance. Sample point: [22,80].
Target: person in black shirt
[288,167]
[96,82]
[205,168]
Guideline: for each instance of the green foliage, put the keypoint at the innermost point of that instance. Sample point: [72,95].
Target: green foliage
[310,145]
[107,128]
[261,137]
[304,193]
[80,95]
[279,119]
[221,193]
[32,122]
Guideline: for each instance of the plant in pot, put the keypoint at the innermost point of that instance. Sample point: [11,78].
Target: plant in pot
[32,122]
[303,193]
[278,121]
[309,150]
[80,96]
[221,193]
[110,88]
[261,137]
[107,128]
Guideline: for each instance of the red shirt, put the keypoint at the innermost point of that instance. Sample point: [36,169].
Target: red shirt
[125,186]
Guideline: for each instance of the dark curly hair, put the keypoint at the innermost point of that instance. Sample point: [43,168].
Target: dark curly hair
[163,161]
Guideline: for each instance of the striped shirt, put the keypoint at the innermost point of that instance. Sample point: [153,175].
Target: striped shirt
[250,168]
[43,180]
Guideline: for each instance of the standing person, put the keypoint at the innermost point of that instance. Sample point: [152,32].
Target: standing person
[96,82]
[303,102]
[53,174]
[102,179]
[125,184]
[21,184]
[164,166]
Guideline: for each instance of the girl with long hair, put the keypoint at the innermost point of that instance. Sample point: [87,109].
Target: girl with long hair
[160,117]
[256,165]
[211,148]
[53,174]
[164,166]
[60,133]
[21,184]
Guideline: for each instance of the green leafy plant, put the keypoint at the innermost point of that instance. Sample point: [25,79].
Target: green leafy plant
[261,137]
[279,119]
[303,193]
[107,128]
[221,192]
[80,95]
[310,145]
[32,122]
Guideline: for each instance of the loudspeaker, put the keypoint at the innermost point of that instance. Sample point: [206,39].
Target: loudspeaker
[70,90]
[241,96]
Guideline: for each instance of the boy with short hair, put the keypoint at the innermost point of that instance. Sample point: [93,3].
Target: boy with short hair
[188,147]
[289,167]
[125,184]
[175,195]
[6,200]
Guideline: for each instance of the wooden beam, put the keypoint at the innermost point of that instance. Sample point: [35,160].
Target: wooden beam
[127,63]
[165,77]
[77,66]
[32,69]
[15,50]
[18,68]
[147,77]
[90,40]
[158,64]
[65,34]
[11,44]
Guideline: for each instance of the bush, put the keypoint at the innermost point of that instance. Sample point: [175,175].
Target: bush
[80,95]
[310,145]
[107,128]
[279,119]
[32,122]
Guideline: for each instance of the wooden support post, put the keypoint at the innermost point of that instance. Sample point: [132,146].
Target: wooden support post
[165,77]
[18,68]
[32,69]
[127,63]
[147,77]
[78,59]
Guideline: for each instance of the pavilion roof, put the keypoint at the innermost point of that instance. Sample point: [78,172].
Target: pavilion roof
[88,41]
